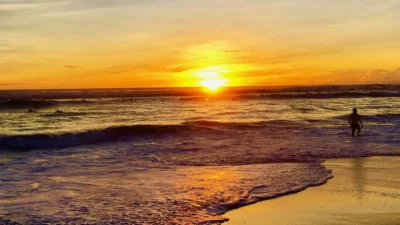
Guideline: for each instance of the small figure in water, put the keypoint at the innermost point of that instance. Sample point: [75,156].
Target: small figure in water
[30,110]
[355,121]
[59,111]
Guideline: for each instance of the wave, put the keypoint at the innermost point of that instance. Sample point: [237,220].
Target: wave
[303,109]
[238,125]
[250,198]
[19,104]
[374,118]
[76,102]
[64,114]
[47,141]
[40,104]
[324,95]
[388,116]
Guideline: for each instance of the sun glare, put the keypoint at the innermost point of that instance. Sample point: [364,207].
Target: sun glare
[213,84]
[212,78]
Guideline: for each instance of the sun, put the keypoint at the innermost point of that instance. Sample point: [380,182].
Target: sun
[212,78]
[213,84]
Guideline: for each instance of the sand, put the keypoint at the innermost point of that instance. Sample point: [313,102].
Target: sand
[363,191]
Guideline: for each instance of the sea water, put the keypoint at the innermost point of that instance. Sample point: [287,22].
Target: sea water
[177,155]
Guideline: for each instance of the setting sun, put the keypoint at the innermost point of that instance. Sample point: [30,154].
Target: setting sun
[213,84]
[213,77]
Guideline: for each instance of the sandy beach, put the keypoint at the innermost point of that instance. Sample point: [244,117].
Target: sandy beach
[363,191]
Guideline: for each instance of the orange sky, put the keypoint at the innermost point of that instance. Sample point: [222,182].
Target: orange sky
[157,43]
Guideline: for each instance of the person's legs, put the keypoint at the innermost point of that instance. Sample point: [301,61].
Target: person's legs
[358,130]
[353,129]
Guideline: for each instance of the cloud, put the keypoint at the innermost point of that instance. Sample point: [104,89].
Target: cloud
[11,8]
[313,76]
[16,7]
[238,51]
[8,48]
[382,76]
[267,73]
[23,2]
[371,76]
[3,84]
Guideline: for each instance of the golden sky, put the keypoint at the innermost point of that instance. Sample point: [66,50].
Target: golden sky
[157,43]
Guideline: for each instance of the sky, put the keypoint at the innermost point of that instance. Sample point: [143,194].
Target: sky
[169,43]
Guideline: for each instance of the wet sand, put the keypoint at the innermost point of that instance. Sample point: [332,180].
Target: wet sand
[363,191]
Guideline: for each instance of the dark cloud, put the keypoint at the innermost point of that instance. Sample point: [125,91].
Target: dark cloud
[238,51]
[178,69]
[71,67]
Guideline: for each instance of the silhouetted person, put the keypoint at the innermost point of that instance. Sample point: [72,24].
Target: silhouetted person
[59,111]
[30,110]
[355,121]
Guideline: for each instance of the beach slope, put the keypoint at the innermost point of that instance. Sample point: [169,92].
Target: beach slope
[363,191]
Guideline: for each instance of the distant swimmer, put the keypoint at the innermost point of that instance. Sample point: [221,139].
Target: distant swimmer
[30,110]
[355,121]
[59,111]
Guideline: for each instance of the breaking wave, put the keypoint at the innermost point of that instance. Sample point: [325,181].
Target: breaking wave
[18,104]
[374,118]
[63,140]
[46,141]
[316,95]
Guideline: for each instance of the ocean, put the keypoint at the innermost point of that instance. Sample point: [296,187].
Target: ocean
[178,155]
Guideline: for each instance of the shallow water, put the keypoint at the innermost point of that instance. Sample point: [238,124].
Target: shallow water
[176,159]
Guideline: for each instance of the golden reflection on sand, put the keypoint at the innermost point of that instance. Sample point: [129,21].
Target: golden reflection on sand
[363,191]
[359,176]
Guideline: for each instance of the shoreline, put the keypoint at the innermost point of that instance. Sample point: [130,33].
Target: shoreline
[363,191]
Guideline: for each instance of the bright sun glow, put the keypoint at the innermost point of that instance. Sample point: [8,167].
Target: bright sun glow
[212,78]
[213,84]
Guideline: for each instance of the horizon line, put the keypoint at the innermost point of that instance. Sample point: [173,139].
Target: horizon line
[193,87]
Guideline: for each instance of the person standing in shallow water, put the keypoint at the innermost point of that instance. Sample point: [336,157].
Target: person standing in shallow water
[355,121]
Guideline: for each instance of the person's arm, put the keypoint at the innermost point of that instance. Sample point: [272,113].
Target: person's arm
[359,119]
[349,119]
